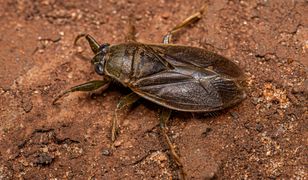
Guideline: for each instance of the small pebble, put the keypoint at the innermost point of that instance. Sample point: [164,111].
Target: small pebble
[117,143]
[259,127]
[43,159]
[166,15]
[106,152]
[27,105]
[234,115]
[207,131]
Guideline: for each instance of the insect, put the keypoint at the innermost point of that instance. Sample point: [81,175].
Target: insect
[177,77]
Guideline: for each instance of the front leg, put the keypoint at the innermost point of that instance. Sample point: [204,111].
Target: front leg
[88,86]
[92,42]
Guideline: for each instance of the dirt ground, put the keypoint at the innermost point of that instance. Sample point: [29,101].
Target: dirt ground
[263,137]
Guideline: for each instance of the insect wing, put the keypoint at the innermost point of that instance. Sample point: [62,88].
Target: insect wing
[193,57]
[197,84]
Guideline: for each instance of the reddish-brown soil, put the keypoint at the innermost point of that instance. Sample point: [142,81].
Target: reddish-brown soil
[263,137]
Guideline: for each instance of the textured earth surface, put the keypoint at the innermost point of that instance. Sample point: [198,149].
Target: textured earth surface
[263,137]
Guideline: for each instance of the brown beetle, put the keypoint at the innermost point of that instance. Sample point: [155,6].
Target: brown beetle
[177,77]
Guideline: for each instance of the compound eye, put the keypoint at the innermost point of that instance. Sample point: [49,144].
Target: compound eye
[99,69]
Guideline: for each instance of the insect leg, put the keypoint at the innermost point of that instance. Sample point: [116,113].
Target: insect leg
[190,20]
[163,119]
[88,86]
[124,102]
[131,33]
[92,42]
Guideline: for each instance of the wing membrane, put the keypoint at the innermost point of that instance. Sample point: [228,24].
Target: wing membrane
[181,92]
[199,81]
[178,55]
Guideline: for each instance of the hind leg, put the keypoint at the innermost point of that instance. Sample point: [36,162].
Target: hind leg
[131,32]
[163,119]
[190,20]
[124,102]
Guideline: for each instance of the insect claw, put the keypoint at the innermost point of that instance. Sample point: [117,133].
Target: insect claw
[92,42]
[78,37]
